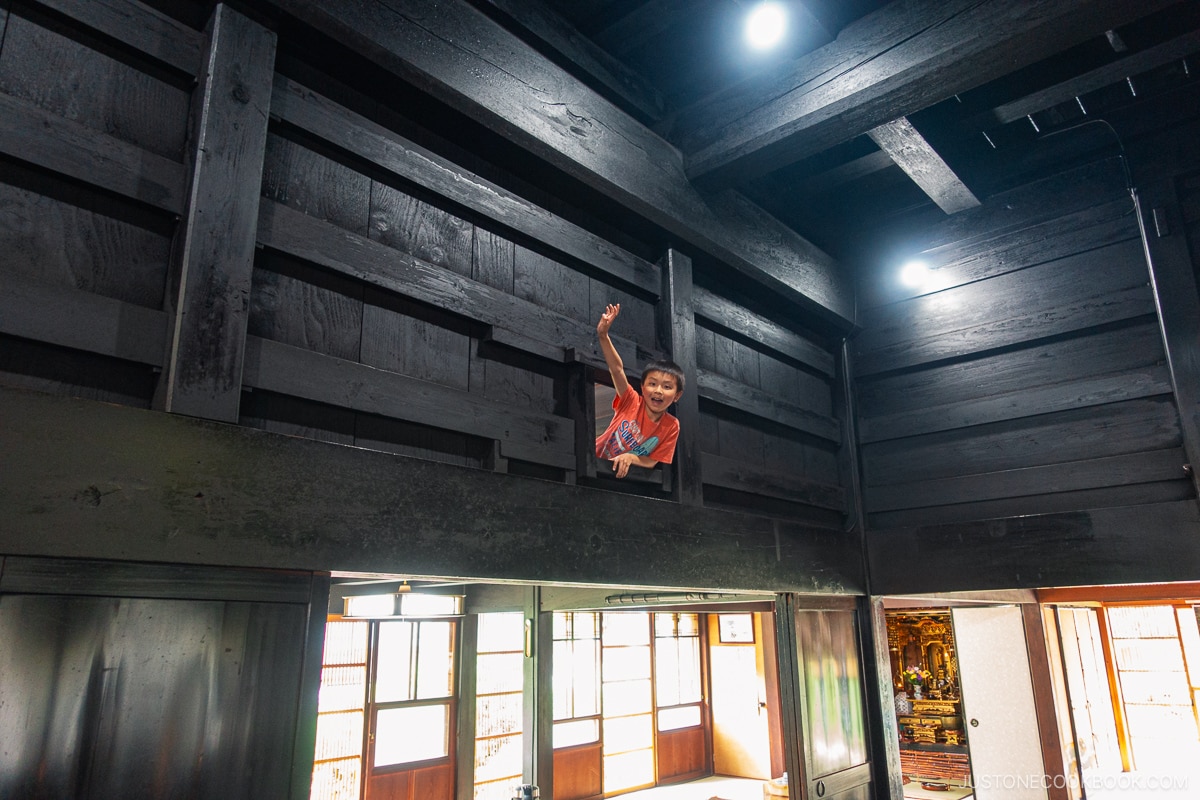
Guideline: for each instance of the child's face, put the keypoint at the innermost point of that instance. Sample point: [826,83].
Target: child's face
[659,390]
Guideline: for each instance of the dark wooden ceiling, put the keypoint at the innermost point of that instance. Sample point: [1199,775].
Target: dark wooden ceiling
[1004,93]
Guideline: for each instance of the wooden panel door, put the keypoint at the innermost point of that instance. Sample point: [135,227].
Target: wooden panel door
[829,697]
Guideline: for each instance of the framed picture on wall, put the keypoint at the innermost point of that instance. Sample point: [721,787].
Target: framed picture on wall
[735,628]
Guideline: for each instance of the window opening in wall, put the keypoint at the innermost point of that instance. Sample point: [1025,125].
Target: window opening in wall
[627,707]
[576,678]
[341,706]
[678,680]
[498,704]
[385,707]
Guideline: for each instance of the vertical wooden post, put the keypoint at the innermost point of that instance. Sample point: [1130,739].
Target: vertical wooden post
[212,306]
[791,702]
[677,328]
[537,705]
[468,662]
[310,685]
[1173,280]
[1043,701]
[881,703]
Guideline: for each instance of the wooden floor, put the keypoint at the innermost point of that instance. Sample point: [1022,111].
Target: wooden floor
[717,786]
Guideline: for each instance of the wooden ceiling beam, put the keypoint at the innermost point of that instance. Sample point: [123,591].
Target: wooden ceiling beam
[913,154]
[1127,67]
[898,60]
[465,59]
[620,83]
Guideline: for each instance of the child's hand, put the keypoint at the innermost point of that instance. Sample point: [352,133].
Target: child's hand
[622,463]
[606,319]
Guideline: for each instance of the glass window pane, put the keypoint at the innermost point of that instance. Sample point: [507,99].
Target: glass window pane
[503,632]
[628,733]
[628,771]
[626,628]
[561,623]
[689,625]
[342,689]
[664,625]
[497,790]
[339,735]
[585,666]
[666,673]
[435,660]
[415,733]
[576,732]
[394,662]
[670,719]
[497,714]
[1145,622]
[498,758]
[430,605]
[335,780]
[586,625]
[626,663]
[345,643]
[502,672]
[1148,655]
[626,697]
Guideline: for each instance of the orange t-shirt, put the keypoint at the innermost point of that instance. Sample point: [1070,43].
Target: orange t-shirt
[631,431]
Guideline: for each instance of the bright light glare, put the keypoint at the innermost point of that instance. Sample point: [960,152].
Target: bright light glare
[766,25]
[915,274]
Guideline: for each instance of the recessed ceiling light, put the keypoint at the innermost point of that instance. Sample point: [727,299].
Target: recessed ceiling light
[914,274]
[766,25]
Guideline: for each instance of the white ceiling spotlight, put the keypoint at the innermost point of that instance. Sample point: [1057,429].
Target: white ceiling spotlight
[915,274]
[766,25]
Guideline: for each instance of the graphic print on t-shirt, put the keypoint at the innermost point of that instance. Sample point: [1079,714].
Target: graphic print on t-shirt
[626,439]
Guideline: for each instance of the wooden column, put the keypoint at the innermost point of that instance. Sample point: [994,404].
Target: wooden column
[881,703]
[211,309]
[677,328]
[537,706]
[790,690]
[1043,701]
[310,686]
[1172,277]
[464,747]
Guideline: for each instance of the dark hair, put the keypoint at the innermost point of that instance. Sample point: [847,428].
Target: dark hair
[667,367]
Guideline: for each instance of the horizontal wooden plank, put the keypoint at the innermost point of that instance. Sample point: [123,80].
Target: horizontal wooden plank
[139,26]
[1010,372]
[293,371]
[291,232]
[1058,502]
[468,61]
[976,259]
[728,392]
[82,321]
[121,579]
[353,133]
[728,317]
[1027,206]
[1038,323]
[1099,390]
[77,151]
[1121,470]
[1144,542]
[1076,435]
[179,490]
[731,474]
[1076,277]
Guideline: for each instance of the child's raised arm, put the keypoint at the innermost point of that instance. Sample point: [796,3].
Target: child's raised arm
[616,367]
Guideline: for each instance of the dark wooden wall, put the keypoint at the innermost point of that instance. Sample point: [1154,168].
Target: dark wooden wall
[204,214]
[1034,380]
